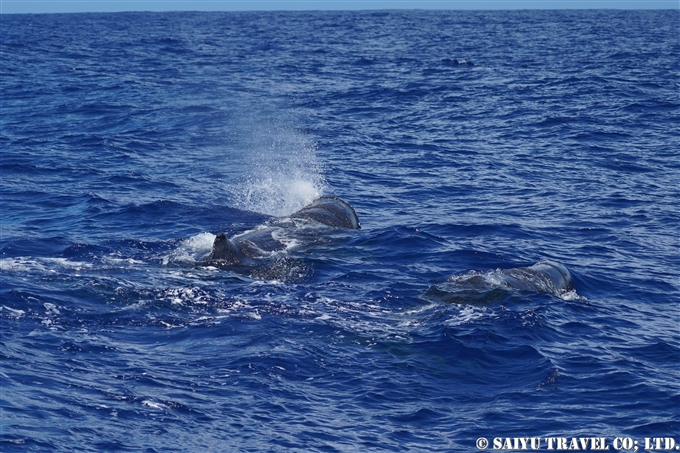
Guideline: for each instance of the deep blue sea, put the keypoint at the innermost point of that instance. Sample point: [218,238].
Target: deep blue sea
[467,142]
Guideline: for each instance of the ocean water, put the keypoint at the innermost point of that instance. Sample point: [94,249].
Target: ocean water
[467,142]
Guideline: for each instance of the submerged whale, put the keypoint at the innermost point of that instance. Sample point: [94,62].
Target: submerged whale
[483,287]
[545,277]
[277,234]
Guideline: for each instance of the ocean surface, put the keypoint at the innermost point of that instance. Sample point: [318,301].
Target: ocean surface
[467,142]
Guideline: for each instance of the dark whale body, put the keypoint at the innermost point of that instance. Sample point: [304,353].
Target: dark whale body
[331,211]
[326,211]
[485,287]
[545,276]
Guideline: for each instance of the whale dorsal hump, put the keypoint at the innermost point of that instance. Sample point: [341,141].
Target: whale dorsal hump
[331,211]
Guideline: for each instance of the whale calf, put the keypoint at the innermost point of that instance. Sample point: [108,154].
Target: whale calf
[277,234]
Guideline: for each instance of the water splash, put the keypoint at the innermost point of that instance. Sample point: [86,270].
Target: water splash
[281,173]
[191,250]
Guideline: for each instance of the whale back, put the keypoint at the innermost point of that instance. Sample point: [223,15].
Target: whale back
[327,210]
[331,211]
[558,275]
[544,277]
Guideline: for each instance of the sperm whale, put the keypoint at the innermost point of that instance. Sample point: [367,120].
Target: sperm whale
[326,211]
[546,277]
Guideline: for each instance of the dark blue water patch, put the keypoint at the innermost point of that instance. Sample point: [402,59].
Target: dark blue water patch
[648,430]
[661,353]
[35,246]
[12,442]
[166,218]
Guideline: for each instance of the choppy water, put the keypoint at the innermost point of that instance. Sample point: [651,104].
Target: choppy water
[466,141]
